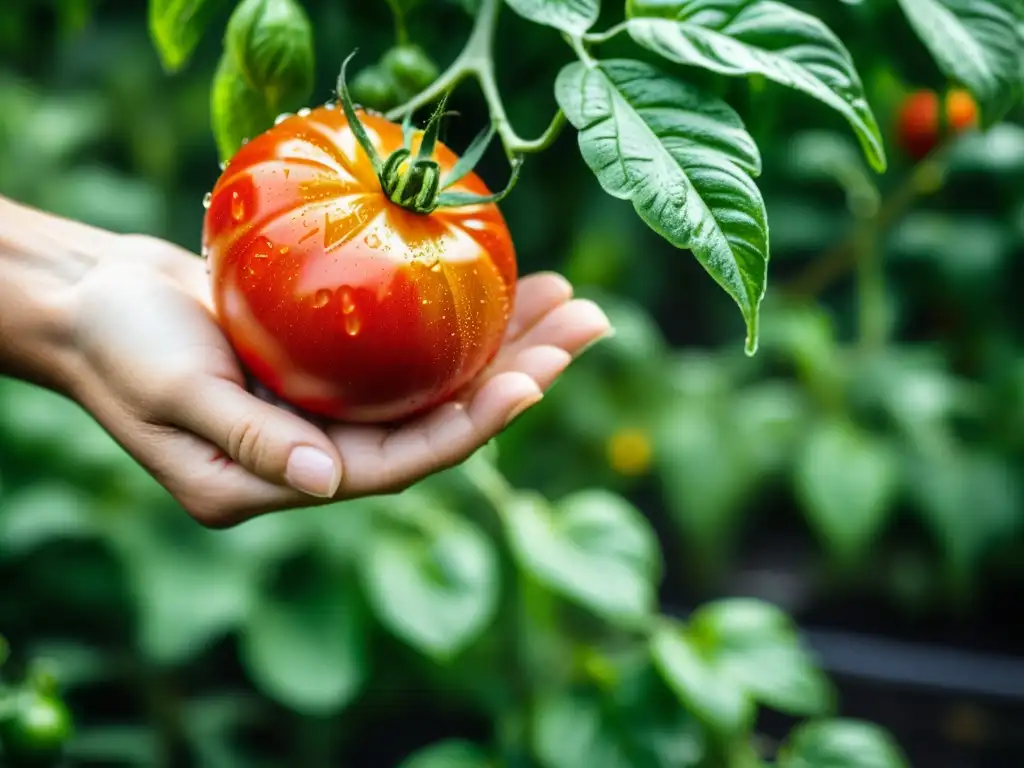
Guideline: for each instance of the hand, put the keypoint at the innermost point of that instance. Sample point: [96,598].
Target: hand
[158,374]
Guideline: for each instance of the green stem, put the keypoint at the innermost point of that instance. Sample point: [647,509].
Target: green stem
[477,60]
[401,32]
[596,38]
[872,317]
[489,482]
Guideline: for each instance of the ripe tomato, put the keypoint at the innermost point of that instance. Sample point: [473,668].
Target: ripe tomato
[339,300]
[923,120]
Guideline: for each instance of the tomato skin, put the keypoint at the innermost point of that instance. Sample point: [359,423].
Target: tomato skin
[340,301]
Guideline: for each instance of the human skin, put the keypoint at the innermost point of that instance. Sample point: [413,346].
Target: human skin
[123,325]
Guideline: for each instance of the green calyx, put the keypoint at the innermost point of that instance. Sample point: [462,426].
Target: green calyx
[416,181]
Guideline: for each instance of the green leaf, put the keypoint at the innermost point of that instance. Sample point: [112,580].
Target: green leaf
[823,155]
[756,645]
[847,482]
[593,548]
[238,112]
[971,501]
[841,743]
[188,595]
[572,16]
[176,27]
[581,728]
[272,43]
[974,42]
[684,160]
[435,582]
[451,753]
[307,648]
[763,37]
[719,702]
[43,513]
[706,474]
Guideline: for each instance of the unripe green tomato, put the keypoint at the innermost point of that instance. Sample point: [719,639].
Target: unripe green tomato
[374,87]
[410,66]
[272,42]
[35,730]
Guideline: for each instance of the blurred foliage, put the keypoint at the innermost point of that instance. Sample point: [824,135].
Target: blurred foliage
[881,426]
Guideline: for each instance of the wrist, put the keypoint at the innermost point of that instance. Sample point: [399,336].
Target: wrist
[42,259]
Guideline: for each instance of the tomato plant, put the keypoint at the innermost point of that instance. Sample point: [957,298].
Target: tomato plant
[925,119]
[528,619]
[359,275]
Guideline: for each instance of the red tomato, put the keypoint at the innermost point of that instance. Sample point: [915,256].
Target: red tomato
[339,300]
[921,125]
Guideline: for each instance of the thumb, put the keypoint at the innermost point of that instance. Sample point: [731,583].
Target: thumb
[268,441]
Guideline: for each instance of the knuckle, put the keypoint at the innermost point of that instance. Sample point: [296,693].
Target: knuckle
[245,442]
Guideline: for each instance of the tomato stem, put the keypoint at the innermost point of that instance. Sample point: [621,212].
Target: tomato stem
[477,60]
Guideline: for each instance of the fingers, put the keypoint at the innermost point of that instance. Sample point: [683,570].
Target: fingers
[216,492]
[269,442]
[573,326]
[536,295]
[377,461]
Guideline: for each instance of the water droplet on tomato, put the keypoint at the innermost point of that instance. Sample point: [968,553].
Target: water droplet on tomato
[348,304]
[237,207]
[287,172]
[207,199]
[436,266]
[205,252]
[259,255]
[303,112]
[282,117]
[425,302]
[353,322]
[331,105]
[284,249]
[321,298]
[372,240]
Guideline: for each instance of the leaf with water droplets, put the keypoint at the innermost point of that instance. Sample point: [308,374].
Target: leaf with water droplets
[764,37]
[685,161]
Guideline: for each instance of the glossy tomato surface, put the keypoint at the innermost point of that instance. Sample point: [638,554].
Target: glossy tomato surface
[340,301]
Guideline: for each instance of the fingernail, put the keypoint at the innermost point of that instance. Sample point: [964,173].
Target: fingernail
[521,407]
[312,471]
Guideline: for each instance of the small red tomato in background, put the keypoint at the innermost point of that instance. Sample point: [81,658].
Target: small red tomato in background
[920,125]
[339,300]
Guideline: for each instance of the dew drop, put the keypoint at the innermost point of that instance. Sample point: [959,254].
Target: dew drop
[331,105]
[237,207]
[348,304]
[425,302]
[321,298]
[284,249]
[282,117]
[222,165]
[259,255]
[372,240]
[303,112]
[207,199]
[287,172]
[436,266]
[205,252]
[353,322]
